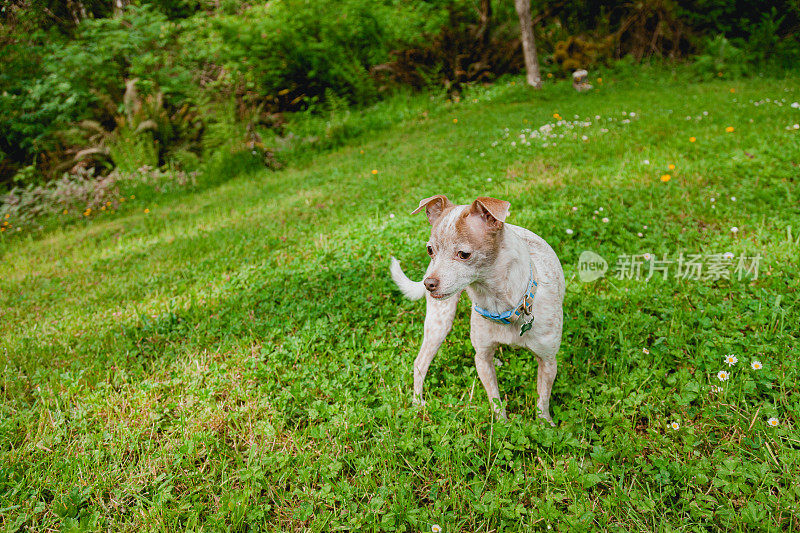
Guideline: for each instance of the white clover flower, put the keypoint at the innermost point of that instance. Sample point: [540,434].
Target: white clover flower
[734,230]
[436,528]
[600,209]
[733,198]
[391,215]
[645,351]
[713,199]
[727,255]
[756,365]
[585,138]
[569,231]
[675,426]
[796,105]
[632,115]
[513,143]
[488,179]
[796,127]
[574,208]
[773,422]
[605,220]
[596,212]
[723,375]
[646,162]
[731,359]
[640,234]
[644,227]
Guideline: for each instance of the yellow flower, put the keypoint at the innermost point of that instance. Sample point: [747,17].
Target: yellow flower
[665,178]
[108,203]
[7,215]
[692,139]
[719,74]
[549,74]
[455,121]
[2,229]
[362,151]
[133,196]
[146,211]
[773,422]
[729,129]
[599,80]
[374,171]
[103,208]
[671,166]
[556,116]
[733,90]
[65,211]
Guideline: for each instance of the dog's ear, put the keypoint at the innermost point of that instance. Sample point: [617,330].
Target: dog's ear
[491,211]
[433,207]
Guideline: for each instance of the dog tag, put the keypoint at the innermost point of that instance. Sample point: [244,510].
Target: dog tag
[525,327]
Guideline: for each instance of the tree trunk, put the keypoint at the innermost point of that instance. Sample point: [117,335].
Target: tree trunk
[528,43]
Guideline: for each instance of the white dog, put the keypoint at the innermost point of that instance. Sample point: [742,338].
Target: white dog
[513,278]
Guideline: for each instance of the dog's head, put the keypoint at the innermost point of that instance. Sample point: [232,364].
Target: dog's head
[464,243]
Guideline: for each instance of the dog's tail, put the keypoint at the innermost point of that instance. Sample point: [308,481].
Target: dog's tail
[413,290]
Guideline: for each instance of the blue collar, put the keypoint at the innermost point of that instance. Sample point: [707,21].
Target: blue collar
[525,306]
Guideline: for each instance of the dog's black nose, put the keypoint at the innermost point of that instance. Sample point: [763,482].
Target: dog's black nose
[431,284]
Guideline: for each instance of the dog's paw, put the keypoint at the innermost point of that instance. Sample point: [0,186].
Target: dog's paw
[418,401]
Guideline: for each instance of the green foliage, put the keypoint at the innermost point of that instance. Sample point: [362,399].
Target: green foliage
[720,58]
[294,51]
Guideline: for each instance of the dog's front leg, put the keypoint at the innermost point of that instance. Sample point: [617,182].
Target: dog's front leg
[438,322]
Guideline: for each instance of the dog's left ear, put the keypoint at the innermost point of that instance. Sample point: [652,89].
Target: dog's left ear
[491,211]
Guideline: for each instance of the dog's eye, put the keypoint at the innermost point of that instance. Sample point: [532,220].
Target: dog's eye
[430,250]
[463,255]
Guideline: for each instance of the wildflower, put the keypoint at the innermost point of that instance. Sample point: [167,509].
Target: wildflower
[391,215]
[549,74]
[723,375]
[489,179]
[756,365]
[675,426]
[733,90]
[692,139]
[556,116]
[727,255]
[605,220]
[65,211]
[713,199]
[574,208]
[436,528]
[640,234]
[719,74]
[7,215]
[374,171]
[585,138]
[729,129]
[647,256]
[796,105]
[773,422]
[733,198]
[146,211]
[644,227]
[599,80]
[133,196]
[731,359]
[361,151]
[645,351]
[646,162]
[665,178]
[671,166]
[569,231]
[734,230]
[455,121]
[716,389]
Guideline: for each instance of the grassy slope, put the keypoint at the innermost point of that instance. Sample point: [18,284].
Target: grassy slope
[240,356]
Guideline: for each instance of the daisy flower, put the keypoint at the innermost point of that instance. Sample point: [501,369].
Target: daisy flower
[605,220]
[756,365]
[727,255]
[647,257]
[675,426]
[734,230]
[645,351]
[569,231]
[716,389]
[773,422]
[731,360]
[436,528]
[723,375]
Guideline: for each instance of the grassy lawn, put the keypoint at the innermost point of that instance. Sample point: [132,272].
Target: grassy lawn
[238,358]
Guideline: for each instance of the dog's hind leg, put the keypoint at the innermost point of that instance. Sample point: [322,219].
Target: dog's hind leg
[438,322]
[545,377]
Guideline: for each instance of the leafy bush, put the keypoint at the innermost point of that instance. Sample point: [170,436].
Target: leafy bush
[721,58]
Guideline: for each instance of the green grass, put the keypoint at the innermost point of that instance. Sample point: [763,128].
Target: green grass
[238,359]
